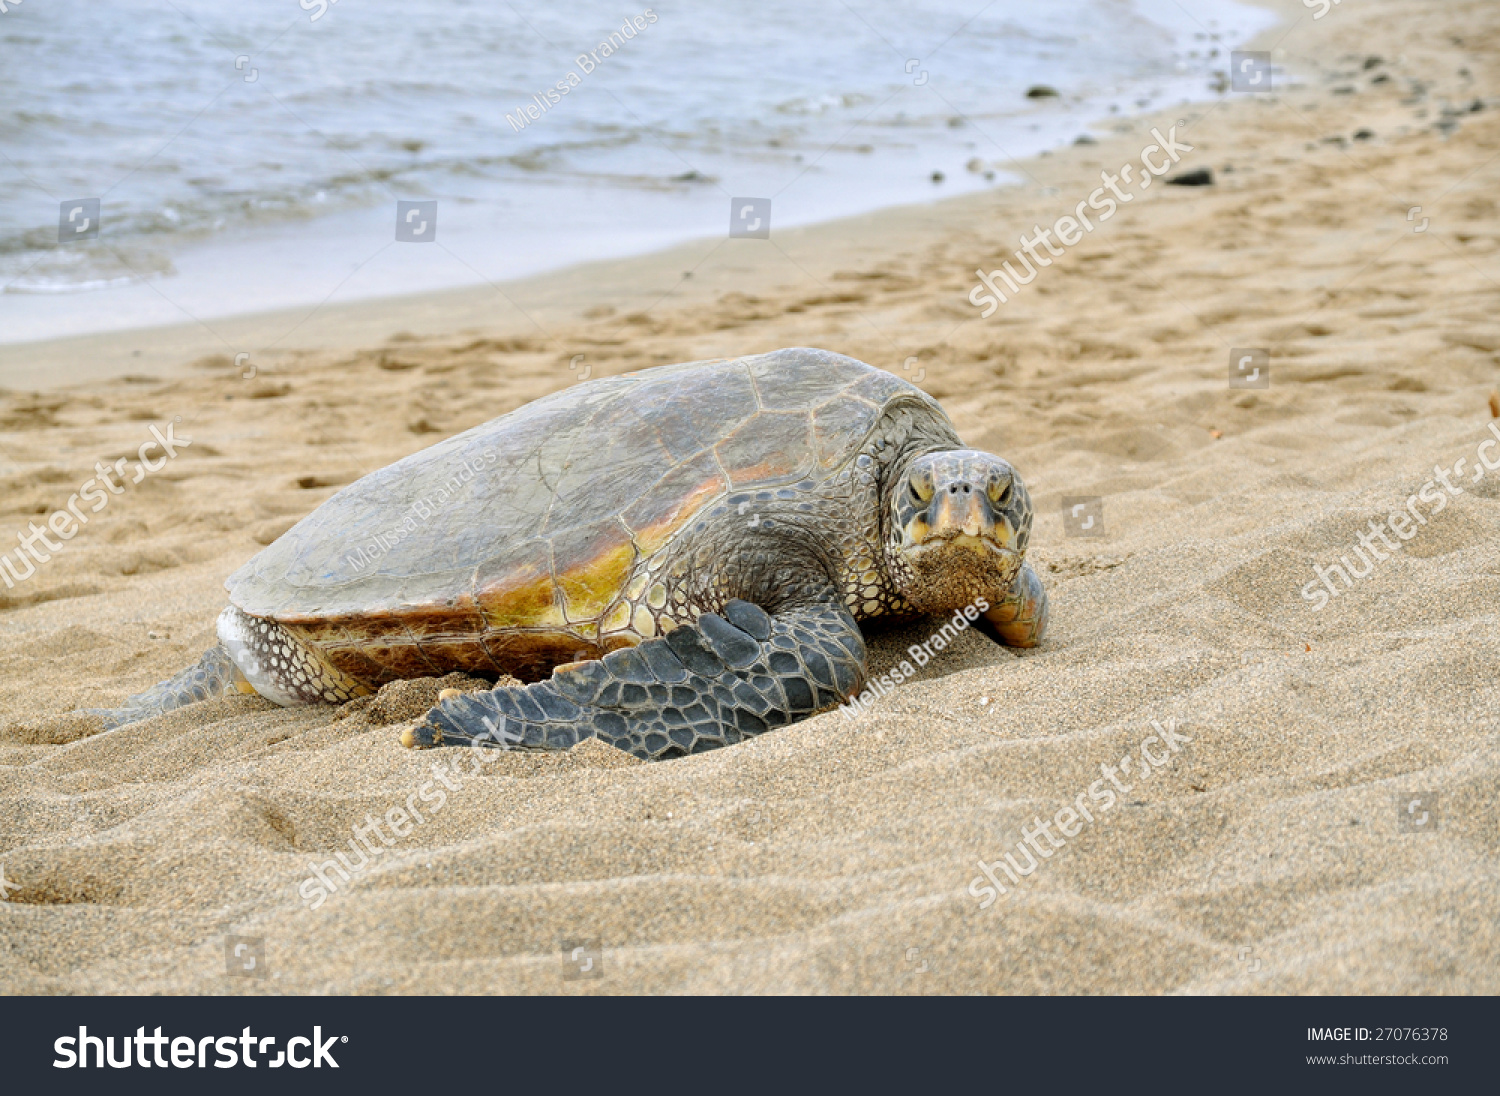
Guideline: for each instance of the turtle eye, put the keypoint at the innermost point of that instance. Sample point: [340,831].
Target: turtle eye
[1000,491]
[921,492]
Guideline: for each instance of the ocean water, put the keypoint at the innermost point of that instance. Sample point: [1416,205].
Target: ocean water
[249,154]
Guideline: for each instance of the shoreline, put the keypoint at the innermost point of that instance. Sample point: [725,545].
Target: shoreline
[537,304]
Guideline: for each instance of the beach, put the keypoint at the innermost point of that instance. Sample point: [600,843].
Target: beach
[1212,394]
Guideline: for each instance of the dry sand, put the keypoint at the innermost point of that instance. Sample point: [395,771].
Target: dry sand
[835,856]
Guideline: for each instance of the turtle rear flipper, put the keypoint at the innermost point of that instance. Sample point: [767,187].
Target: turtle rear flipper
[215,675]
[700,687]
[253,656]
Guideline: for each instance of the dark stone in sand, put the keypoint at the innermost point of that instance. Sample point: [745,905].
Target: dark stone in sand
[1202,177]
[1041,91]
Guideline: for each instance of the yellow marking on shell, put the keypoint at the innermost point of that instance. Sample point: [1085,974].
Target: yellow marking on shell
[617,620]
[651,538]
[589,587]
[642,621]
[525,598]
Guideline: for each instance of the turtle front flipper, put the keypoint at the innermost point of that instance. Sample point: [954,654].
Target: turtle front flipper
[698,688]
[1020,620]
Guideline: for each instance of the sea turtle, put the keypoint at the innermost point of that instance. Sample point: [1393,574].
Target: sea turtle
[673,559]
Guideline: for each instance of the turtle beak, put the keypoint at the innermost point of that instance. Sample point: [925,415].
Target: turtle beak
[960,511]
[960,516]
[966,501]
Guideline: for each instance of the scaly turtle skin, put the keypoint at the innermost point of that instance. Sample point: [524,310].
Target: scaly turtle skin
[673,559]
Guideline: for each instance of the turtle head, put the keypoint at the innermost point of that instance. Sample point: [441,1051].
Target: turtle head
[959,524]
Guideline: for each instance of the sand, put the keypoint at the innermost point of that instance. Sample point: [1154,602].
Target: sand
[1272,852]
